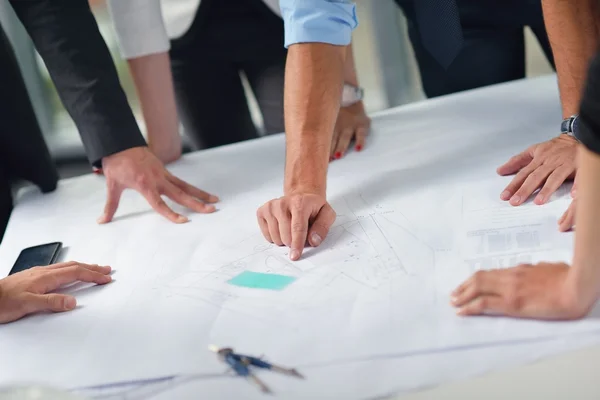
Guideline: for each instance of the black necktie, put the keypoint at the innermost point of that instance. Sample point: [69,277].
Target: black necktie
[439,25]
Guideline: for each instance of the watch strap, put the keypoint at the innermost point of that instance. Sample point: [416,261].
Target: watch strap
[568,126]
[351,95]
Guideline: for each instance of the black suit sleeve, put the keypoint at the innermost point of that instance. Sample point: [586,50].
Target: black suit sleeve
[589,113]
[66,35]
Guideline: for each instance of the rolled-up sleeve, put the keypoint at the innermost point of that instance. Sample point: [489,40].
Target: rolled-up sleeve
[589,114]
[320,21]
[139,26]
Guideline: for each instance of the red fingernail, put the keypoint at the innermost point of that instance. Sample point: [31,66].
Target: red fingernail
[358,147]
[338,155]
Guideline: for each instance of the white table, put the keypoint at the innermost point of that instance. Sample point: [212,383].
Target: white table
[368,314]
[570,376]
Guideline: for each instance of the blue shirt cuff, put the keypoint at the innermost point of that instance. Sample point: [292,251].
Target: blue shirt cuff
[320,21]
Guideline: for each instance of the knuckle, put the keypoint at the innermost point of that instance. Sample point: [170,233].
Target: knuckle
[141,180]
[535,175]
[282,207]
[513,301]
[483,304]
[158,202]
[512,298]
[298,227]
[297,203]
[478,278]
[50,301]
[178,193]
[78,270]
[517,273]
[332,217]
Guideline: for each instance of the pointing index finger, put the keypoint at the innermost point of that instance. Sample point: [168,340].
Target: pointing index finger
[299,227]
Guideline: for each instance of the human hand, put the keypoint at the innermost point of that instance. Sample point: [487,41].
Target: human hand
[544,165]
[28,291]
[352,123]
[567,221]
[295,220]
[543,291]
[137,168]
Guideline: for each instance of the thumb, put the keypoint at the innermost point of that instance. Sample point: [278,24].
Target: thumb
[112,203]
[49,302]
[320,226]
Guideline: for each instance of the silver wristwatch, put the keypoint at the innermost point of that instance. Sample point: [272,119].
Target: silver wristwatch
[569,126]
[351,94]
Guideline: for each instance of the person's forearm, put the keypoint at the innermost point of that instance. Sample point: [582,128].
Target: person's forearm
[586,261]
[313,88]
[154,86]
[573,34]
[350,75]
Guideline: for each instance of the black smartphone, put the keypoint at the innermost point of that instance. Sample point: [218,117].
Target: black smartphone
[37,256]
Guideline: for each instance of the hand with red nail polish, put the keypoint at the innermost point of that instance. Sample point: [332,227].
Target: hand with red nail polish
[545,165]
[295,220]
[352,124]
[137,168]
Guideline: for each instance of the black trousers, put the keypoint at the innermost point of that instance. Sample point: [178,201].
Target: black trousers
[228,38]
[494,47]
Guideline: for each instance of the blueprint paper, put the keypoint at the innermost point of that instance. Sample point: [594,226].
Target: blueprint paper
[416,215]
[498,235]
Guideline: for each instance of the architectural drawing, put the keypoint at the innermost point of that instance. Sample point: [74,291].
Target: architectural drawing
[366,248]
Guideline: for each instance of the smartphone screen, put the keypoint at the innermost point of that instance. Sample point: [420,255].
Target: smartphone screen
[37,256]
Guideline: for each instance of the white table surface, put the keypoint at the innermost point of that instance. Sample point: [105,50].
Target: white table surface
[413,151]
[573,375]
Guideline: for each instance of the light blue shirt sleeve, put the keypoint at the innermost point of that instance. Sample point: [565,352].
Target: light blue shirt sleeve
[321,21]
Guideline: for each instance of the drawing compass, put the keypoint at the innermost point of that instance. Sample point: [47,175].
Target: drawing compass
[242,366]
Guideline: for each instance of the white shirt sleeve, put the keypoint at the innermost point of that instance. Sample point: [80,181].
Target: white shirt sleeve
[139,26]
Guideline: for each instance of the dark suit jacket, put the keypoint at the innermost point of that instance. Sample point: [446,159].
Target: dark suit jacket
[23,152]
[66,35]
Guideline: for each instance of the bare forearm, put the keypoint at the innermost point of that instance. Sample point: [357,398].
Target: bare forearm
[573,33]
[586,262]
[154,85]
[313,87]
[350,75]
